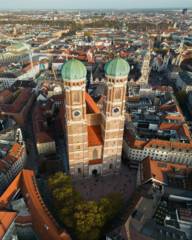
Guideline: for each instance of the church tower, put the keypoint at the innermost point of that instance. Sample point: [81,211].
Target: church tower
[74,76]
[116,72]
[179,57]
[145,71]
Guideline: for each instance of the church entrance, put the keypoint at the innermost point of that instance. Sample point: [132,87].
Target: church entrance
[95,173]
[95,170]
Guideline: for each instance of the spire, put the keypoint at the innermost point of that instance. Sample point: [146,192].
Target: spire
[91,77]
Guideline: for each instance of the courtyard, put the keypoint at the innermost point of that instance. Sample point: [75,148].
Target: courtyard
[94,188]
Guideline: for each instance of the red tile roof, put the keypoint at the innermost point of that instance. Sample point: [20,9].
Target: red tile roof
[4,96]
[6,219]
[24,219]
[15,153]
[19,102]
[10,191]
[96,161]
[180,128]
[157,169]
[140,144]
[91,105]
[16,150]
[41,131]
[43,222]
[43,137]
[132,142]
[168,144]
[94,136]
[178,117]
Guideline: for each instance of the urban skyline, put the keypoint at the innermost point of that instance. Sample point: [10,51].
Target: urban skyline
[85,4]
[95,120]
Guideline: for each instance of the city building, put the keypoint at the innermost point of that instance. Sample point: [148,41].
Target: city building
[165,174]
[160,215]
[12,151]
[16,103]
[160,63]
[156,127]
[145,70]
[12,160]
[28,218]
[184,81]
[69,104]
[97,145]
[44,136]
[7,225]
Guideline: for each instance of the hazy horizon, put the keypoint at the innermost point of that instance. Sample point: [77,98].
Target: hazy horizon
[97,4]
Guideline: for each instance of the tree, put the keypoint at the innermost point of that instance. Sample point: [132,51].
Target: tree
[58,180]
[66,216]
[63,193]
[65,197]
[89,219]
[104,203]
[86,218]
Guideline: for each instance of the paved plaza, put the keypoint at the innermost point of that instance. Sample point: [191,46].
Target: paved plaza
[96,187]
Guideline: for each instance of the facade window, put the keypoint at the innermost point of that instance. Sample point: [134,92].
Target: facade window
[76,98]
[95,154]
[78,148]
[118,93]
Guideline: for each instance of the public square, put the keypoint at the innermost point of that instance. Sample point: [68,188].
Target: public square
[97,187]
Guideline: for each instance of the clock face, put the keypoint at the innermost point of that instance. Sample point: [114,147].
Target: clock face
[116,110]
[76,113]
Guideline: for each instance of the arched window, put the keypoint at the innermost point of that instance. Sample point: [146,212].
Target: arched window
[76,98]
[111,166]
[79,171]
[95,154]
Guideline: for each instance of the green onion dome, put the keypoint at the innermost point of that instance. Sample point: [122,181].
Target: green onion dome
[117,67]
[73,70]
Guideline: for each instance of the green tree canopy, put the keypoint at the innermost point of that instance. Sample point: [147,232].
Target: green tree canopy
[58,180]
[88,216]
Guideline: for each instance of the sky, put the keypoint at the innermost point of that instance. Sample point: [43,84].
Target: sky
[90,4]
